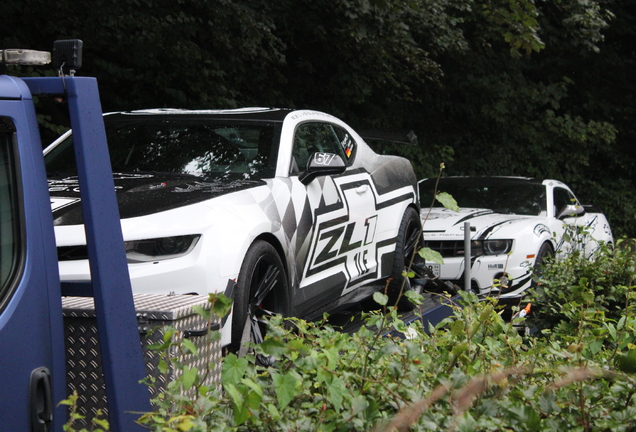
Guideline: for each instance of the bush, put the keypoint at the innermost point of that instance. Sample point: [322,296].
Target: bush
[471,372]
[577,287]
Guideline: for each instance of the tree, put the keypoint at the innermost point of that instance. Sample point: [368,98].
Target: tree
[517,87]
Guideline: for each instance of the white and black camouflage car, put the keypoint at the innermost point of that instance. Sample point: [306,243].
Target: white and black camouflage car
[515,223]
[292,205]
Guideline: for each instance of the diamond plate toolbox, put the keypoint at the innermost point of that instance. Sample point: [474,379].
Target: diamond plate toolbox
[154,312]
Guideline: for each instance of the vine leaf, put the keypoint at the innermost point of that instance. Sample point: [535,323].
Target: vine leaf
[447,201]
[430,255]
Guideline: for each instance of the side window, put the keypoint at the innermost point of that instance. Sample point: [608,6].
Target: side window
[10,232]
[561,198]
[310,138]
[348,144]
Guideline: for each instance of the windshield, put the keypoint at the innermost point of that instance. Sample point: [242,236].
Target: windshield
[201,147]
[500,195]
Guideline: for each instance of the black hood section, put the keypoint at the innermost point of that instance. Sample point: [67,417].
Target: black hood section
[140,194]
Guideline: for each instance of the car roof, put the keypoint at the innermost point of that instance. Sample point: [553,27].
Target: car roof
[246,114]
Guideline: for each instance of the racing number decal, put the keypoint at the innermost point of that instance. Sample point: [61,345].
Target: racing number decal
[323,158]
[333,246]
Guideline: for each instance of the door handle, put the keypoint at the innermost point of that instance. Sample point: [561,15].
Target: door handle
[41,400]
[362,189]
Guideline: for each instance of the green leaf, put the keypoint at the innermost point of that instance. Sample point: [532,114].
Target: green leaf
[253,400]
[358,404]
[233,369]
[221,304]
[621,323]
[595,346]
[447,201]
[251,384]
[273,346]
[201,311]
[190,347]
[273,411]
[466,423]
[168,333]
[236,395]
[188,377]
[460,348]
[588,296]
[430,255]
[241,414]
[297,344]
[458,328]
[337,391]
[526,415]
[380,298]
[548,403]
[162,366]
[285,387]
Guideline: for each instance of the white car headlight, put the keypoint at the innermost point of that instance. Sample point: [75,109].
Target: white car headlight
[490,247]
[497,247]
[160,249]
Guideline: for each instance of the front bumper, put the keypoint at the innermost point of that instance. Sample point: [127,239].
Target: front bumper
[500,276]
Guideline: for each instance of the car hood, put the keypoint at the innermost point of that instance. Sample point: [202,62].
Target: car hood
[484,223]
[140,194]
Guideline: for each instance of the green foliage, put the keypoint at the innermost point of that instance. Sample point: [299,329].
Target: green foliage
[578,289]
[498,87]
[98,423]
[472,371]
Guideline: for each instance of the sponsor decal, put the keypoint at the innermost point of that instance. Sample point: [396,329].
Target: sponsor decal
[337,243]
[347,146]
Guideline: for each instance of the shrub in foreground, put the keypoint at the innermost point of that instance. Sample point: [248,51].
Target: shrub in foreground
[472,372]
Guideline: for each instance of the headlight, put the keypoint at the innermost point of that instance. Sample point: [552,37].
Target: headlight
[159,249]
[490,247]
[497,247]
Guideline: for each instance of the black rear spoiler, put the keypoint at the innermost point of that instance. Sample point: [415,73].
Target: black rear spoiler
[401,136]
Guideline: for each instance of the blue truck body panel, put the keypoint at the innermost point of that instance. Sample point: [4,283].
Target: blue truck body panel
[31,319]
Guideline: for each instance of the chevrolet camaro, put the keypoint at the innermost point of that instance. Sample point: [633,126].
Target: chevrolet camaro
[285,211]
[514,224]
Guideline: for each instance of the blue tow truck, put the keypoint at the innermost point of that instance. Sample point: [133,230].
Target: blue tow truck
[32,351]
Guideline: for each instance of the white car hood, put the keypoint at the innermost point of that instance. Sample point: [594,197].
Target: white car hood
[442,223]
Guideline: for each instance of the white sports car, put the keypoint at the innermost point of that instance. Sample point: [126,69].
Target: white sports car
[293,206]
[514,222]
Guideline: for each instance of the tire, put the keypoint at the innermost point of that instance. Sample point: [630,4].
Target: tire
[409,239]
[546,252]
[261,290]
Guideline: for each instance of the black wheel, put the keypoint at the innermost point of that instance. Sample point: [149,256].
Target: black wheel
[409,239]
[260,291]
[545,253]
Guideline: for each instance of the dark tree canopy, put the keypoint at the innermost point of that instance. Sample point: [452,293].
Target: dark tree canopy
[522,87]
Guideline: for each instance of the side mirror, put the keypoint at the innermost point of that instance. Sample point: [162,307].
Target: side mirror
[321,164]
[571,210]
